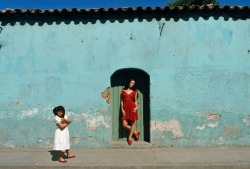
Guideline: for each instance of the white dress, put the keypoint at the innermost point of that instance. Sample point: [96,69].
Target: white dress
[61,140]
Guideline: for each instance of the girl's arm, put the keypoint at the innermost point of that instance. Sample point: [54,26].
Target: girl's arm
[67,120]
[62,125]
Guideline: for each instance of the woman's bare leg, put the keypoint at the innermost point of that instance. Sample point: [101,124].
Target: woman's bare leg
[125,125]
[132,130]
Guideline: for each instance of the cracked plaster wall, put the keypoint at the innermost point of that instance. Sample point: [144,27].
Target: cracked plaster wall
[199,79]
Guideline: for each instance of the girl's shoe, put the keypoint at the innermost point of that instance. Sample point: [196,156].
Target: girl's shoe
[129,142]
[137,135]
[64,161]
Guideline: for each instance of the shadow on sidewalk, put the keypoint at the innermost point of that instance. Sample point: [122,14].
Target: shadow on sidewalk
[54,155]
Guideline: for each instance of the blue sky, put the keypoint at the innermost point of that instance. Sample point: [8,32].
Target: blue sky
[58,4]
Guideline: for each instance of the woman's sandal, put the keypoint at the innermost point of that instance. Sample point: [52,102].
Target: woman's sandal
[137,135]
[129,142]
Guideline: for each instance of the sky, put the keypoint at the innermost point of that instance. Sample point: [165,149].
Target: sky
[69,4]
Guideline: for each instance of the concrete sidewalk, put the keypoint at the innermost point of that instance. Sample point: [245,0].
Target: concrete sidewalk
[148,158]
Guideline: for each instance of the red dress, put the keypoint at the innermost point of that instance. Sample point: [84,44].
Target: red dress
[129,105]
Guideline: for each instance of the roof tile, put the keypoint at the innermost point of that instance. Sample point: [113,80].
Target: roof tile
[235,11]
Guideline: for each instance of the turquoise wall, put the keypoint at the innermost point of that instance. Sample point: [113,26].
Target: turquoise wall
[199,79]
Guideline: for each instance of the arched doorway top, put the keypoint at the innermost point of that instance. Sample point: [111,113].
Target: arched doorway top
[129,72]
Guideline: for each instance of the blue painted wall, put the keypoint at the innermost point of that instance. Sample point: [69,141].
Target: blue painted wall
[199,74]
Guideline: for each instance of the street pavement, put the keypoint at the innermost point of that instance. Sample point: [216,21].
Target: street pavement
[130,157]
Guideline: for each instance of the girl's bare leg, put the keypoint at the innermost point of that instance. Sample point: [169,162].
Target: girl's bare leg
[68,154]
[60,155]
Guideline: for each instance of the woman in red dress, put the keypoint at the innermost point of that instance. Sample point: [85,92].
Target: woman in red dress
[129,110]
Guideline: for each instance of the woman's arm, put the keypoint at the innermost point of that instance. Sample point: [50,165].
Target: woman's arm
[122,104]
[123,111]
[136,101]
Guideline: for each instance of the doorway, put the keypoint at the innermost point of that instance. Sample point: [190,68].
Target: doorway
[118,80]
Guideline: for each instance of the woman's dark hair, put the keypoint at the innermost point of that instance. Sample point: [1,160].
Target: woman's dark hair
[127,85]
[59,108]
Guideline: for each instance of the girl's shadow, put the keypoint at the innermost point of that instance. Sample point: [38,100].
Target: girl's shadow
[54,155]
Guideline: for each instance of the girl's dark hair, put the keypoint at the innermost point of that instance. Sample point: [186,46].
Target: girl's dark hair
[127,85]
[59,108]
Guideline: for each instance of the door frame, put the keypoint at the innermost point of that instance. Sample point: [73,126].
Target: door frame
[142,80]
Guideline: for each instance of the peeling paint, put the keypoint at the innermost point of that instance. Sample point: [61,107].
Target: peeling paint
[246,120]
[45,114]
[76,140]
[213,125]
[91,138]
[212,120]
[172,126]
[219,141]
[231,130]
[200,127]
[90,121]
[93,123]
[100,111]
[9,145]
[213,116]
[106,95]
[27,114]
[45,142]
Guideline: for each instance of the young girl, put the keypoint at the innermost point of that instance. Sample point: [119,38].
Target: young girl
[61,141]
